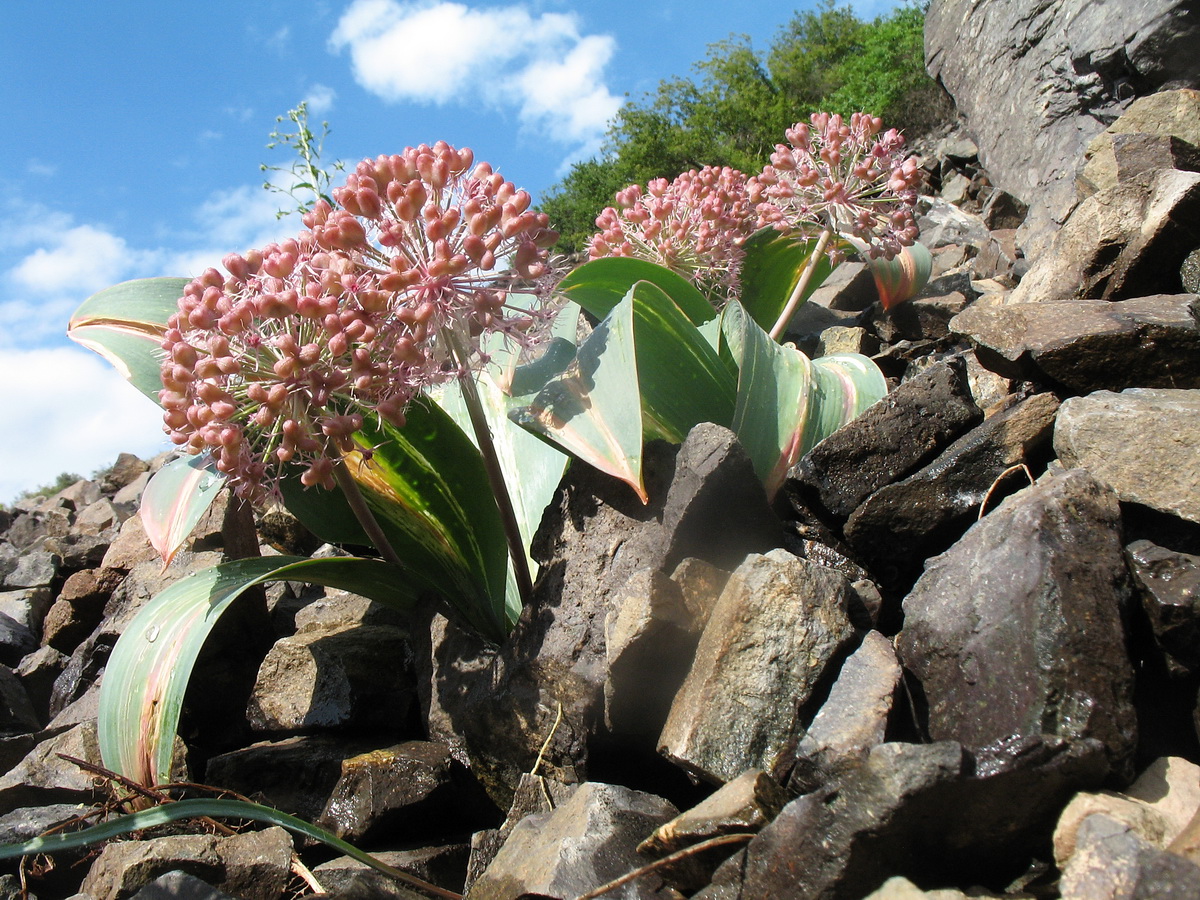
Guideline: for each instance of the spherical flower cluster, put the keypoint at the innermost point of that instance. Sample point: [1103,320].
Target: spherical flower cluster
[695,225]
[844,177]
[384,296]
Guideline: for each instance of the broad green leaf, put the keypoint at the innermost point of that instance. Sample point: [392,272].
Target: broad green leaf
[772,269]
[844,384]
[148,671]
[683,381]
[175,499]
[902,277]
[593,410]
[601,284]
[217,809]
[125,324]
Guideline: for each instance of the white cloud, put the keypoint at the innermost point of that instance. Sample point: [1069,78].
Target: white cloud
[83,258]
[504,56]
[319,99]
[38,167]
[68,411]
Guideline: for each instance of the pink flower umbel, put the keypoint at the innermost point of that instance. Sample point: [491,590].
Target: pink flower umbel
[695,226]
[383,297]
[842,177]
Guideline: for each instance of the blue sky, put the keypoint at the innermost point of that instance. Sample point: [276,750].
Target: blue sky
[134,131]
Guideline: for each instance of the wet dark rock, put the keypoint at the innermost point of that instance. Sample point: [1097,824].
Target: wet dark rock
[779,622]
[1047,562]
[17,715]
[358,677]
[894,437]
[1140,442]
[1089,345]
[1111,861]
[853,719]
[926,317]
[882,819]
[903,523]
[296,775]
[585,842]
[404,792]
[1169,587]
[349,879]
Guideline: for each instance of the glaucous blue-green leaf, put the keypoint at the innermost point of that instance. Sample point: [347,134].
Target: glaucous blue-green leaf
[601,284]
[175,499]
[217,809]
[125,323]
[148,670]
[901,277]
[844,385]
[772,269]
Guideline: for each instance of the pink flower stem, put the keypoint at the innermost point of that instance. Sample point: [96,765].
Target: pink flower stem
[495,475]
[810,267]
[362,512]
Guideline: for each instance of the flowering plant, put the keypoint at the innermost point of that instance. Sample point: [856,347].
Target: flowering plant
[378,373]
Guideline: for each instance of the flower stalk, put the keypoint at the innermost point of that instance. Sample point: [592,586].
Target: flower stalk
[801,288]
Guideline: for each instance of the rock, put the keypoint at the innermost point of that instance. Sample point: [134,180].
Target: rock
[1047,562]
[122,473]
[15,641]
[176,884]
[35,568]
[1127,241]
[1164,124]
[897,435]
[334,678]
[1002,212]
[404,791]
[926,317]
[1140,818]
[348,879]
[43,777]
[902,524]
[705,501]
[943,224]
[1140,442]
[1169,586]
[1171,787]
[26,607]
[1189,272]
[779,622]
[843,339]
[1089,345]
[252,866]
[1036,83]
[850,287]
[1112,862]
[38,671]
[882,819]
[23,824]
[900,888]
[17,715]
[854,718]
[584,843]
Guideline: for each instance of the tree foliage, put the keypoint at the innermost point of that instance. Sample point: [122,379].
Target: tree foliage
[736,108]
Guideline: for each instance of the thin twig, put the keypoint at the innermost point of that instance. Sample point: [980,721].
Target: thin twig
[666,861]
[1019,467]
[810,267]
[546,743]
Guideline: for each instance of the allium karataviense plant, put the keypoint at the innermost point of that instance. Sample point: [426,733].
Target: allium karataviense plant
[695,225]
[386,295]
[835,177]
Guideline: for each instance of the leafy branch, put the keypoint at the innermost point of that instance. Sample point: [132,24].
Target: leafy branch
[306,173]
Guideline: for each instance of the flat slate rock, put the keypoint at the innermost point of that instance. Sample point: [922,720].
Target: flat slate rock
[1140,442]
[1089,345]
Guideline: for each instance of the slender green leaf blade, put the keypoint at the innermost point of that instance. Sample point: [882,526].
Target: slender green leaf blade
[148,671]
[175,499]
[598,286]
[192,809]
[771,271]
[125,324]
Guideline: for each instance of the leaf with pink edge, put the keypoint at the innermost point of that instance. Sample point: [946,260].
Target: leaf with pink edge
[175,499]
[902,277]
[147,673]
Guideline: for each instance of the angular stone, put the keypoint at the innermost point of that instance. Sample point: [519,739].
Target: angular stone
[650,637]
[1169,586]
[746,804]
[174,885]
[22,824]
[1171,787]
[1138,817]
[334,678]
[1126,241]
[896,436]
[843,339]
[854,717]
[1189,272]
[1089,345]
[920,319]
[37,671]
[880,820]
[780,621]
[585,842]
[17,715]
[35,568]
[1163,123]
[900,888]
[126,468]
[26,607]
[30,531]
[1047,562]
[902,524]
[404,791]
[256,864]
[43,777]
[1140,442]
[15,641]
[346,877]
[1112,863]
[99,517]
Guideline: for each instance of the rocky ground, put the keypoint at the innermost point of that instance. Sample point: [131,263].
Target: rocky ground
[959,655]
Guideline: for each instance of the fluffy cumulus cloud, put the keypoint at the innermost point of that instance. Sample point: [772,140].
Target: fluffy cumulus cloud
[68,411]
[320,99]
[505,56]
